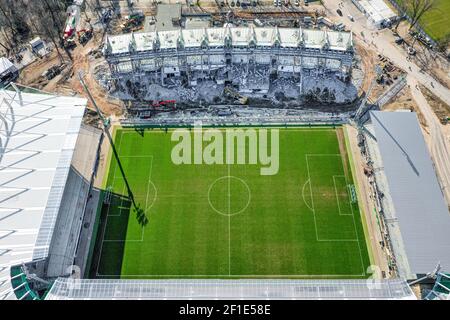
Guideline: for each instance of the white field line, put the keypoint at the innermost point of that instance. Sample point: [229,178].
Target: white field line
[286,276]
[229,220]
[353,216]
[121,201]
[312,201]
[107,214]
[229,228]
[121,205]
[312,198]
[235,127]
[354,222]
[337,196]
[303,195]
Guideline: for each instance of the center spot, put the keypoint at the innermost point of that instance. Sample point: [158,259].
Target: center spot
[229,195]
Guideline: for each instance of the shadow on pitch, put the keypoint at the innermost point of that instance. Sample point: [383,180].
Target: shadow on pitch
[112,232]
[141,217]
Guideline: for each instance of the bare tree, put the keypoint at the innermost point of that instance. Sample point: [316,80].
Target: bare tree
[443,43]
[417,8]
[47,19]
[13,23]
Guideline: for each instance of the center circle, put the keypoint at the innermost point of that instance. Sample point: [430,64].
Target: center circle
[229,195]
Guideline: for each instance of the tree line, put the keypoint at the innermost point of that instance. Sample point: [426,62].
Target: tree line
[22,19]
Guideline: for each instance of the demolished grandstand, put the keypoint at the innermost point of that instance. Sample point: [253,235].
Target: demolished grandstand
[196,64]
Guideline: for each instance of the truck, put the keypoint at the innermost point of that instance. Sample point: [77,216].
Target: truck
[84,35]
[133,22]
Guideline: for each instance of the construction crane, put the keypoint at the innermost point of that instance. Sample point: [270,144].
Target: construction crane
[429,275]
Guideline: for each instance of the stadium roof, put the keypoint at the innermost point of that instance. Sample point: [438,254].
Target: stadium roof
[38,133]
[420,209]
[6,65]
[239,37]
[70,289]
[377,10]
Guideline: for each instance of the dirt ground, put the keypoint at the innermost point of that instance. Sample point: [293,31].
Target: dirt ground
[405,101]
[435,64]
[440,108]
[67,83]
[369,60]
[366,202]
[32,74]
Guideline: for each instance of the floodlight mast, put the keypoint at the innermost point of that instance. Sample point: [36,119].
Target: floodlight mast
[108,134]
[362,108]
[430,275]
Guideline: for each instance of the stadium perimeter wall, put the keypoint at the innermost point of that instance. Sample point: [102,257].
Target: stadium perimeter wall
[86,289]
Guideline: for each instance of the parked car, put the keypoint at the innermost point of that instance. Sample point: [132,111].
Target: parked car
[398,40]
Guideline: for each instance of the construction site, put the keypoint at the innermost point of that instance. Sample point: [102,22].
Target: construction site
[157,58]
[156,65]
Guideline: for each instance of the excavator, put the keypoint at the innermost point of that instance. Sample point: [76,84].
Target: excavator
[133,22]
[84,35]
[233,94]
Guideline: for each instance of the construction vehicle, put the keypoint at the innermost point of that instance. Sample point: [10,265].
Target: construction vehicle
[69,43]
[445,120]
[231,93]
[164,104]
[398,40]
[53,71]
[411,51]
[84,35]
[73,17]
[133,22]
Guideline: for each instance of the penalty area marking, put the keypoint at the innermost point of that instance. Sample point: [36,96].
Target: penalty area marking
[147,206]
[303,195]
[352,214]
[337,196]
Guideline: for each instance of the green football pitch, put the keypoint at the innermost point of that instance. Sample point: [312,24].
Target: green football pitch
[435,21]
[228,221]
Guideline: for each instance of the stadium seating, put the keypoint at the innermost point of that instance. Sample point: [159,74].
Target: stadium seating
[20,285]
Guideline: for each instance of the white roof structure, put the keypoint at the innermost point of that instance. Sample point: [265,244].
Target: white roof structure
[38,133]
[6,65]
[377,11]
[256,289]
[419,209]
[239,37]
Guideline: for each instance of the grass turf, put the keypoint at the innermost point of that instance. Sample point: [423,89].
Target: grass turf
[298,223]
[435,21]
